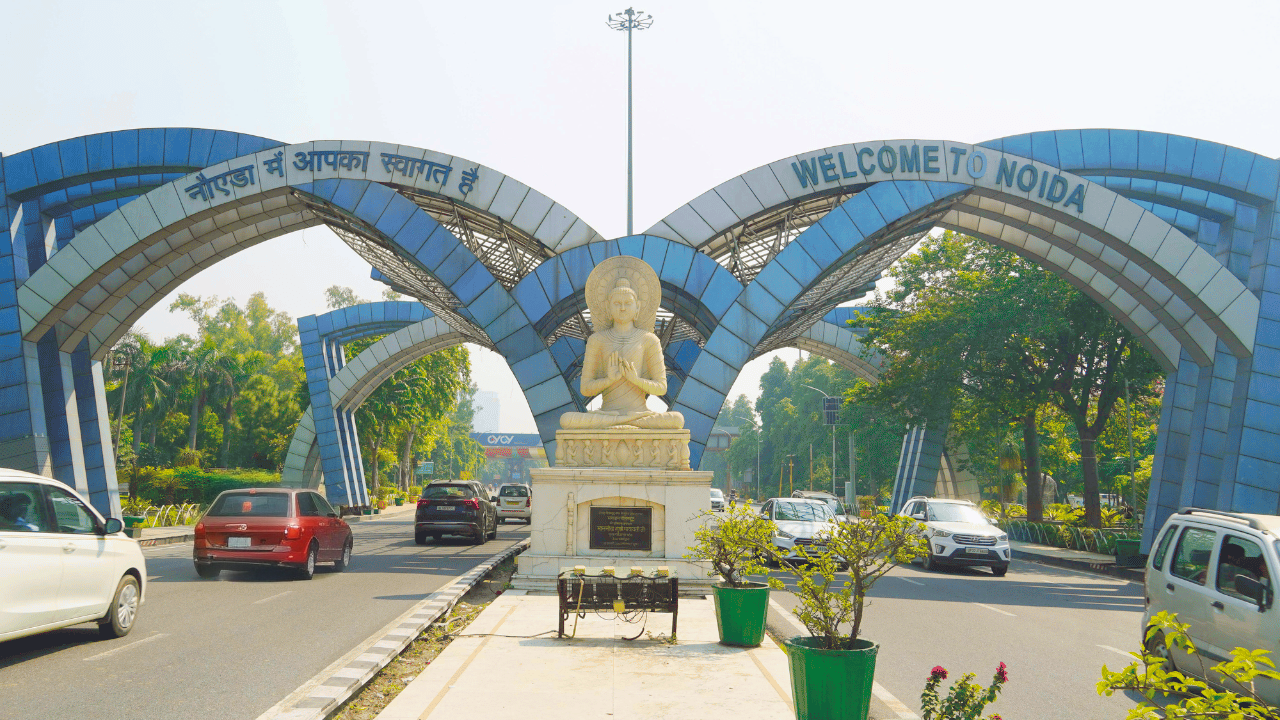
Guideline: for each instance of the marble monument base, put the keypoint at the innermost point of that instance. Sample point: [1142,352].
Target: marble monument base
[619,516]
[617,447]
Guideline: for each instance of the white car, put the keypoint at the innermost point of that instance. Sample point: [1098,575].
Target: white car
[515,502]
[959,534]
[61,563]
[1214,570]
[717,500]
[801,523]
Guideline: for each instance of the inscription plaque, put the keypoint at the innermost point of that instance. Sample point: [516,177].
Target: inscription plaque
[621,528]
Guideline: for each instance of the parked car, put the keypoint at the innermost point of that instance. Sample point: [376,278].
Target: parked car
[62,563]
[800,523]
[252,528]
[959,534]
[456,507]
[717,500]
[515,501]
[833,502]
[1215,570]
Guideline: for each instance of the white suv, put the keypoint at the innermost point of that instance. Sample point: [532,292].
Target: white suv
[1215,569]
[959,534]
[61,563]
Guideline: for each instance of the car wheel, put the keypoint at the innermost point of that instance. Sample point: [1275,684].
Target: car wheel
[1000,570]
[207,571]
[308,569]
[1155,646]
[928,562]
[420,538]
[493,535]
[341,563]
[123,610]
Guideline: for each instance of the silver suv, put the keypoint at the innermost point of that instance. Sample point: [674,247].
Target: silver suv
[959,534]
[1215,569]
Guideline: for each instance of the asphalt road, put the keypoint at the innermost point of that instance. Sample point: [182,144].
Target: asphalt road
[231,647]
[1053,627]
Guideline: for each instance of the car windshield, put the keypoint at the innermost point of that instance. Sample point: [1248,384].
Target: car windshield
[441,492]
[719,494]
[810,512]
[946,512]
[514,491]
[243,504]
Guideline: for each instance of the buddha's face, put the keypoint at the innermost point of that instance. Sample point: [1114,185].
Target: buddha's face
[622,305]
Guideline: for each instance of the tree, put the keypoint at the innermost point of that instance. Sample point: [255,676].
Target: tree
[337,296]
[969,320]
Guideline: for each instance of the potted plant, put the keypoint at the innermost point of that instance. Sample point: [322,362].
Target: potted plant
[731,541]
[832,670]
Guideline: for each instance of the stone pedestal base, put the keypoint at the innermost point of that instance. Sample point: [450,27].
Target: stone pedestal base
[560,533]
[623,448]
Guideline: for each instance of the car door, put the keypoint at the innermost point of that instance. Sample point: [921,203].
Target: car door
[92,564]
[314,522]
[1236,619]
[1186,589]
[30,560]
[336,528]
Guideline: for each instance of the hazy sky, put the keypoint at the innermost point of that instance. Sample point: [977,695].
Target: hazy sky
[538,91]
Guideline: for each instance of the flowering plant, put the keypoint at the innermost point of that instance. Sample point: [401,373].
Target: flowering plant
[966,700]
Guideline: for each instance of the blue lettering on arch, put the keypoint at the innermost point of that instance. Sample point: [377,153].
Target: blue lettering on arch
[958,153]
[1031,182]
[1005,174]
[1077,198]
[845,172]
[931,159]
[866,169]
[807,172]
[828,167]
[909,159]
[1057,189]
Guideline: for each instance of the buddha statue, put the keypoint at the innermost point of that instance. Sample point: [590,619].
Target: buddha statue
[623,361]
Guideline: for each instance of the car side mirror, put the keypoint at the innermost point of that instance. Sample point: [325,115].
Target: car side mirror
[918,516]
[113,526]
[1254,590]
[333,515]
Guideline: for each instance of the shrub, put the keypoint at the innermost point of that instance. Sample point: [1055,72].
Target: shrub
[1179,696]
[965,701]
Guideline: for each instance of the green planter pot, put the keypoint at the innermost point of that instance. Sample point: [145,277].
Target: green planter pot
[399,501]
[831,684]
[741,612]
[131,520]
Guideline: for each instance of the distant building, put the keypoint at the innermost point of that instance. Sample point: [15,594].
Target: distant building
[488,409]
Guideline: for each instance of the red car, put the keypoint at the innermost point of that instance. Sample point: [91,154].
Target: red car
[276,527]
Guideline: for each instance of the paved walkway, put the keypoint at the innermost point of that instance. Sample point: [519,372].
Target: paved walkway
[495,670]
[1074,559]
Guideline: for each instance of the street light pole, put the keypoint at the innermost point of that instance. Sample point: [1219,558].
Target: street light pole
[758,441]
[833,449]
[629,20]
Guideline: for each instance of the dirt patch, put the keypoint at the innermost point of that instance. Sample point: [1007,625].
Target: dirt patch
[418,655]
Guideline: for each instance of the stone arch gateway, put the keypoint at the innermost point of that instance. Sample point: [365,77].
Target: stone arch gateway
[1174,236]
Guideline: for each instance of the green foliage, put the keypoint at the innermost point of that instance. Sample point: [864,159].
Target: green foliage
[986,340]
[1171,694]
[868,548]
[966,699]
[731,541]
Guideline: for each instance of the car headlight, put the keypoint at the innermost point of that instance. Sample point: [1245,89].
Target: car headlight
[1002,538]
[786,535]
[941,533]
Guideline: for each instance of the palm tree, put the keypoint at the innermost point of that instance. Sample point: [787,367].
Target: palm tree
[230,373]
[199,363]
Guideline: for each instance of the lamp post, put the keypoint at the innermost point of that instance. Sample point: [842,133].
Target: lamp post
[728,470]
[827,397]
[629,20]
[759,439]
